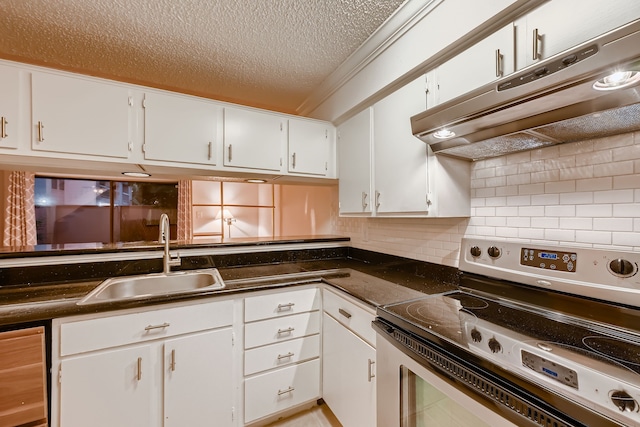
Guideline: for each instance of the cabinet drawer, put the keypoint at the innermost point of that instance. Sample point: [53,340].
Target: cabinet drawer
[281,329]
[281,389]
[93,334]
[281,354]
[281,304]
[349,314]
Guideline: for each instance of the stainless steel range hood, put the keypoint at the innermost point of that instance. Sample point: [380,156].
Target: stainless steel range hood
[547,103]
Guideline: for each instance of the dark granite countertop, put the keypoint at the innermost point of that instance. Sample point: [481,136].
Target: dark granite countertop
[373,278]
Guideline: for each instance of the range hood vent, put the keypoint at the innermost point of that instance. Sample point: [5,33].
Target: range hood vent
[548,103]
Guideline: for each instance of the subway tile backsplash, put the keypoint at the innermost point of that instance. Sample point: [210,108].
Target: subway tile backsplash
[582,194]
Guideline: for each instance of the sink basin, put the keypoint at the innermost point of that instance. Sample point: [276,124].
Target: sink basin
[148,285]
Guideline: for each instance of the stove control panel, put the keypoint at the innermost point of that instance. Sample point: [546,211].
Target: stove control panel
[551,369]
[549,260]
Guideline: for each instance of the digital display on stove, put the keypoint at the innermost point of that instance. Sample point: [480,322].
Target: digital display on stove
[549,260]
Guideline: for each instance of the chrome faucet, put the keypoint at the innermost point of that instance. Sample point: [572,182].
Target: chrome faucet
[163,237]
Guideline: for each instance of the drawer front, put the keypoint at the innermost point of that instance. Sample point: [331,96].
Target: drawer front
[281,329]
[281,354]
[281,304]
[350,315]
[278,390]
[93,334]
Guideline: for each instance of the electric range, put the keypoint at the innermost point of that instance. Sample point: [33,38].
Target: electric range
[557,328]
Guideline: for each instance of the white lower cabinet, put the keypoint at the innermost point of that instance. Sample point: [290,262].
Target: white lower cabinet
[282,352]
[162,367]
[108,388]
[348,373]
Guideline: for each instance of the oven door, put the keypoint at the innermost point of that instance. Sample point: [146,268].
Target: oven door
[410,395]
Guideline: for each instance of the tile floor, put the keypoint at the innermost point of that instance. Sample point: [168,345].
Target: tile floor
[318,416]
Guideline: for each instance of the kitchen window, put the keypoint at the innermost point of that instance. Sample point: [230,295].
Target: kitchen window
[89,211]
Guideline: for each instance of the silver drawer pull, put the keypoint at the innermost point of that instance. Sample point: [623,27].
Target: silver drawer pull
[285,356]
[289,390]
[344,313]
[286,307]
[371,375]
[286,331]
[162,326]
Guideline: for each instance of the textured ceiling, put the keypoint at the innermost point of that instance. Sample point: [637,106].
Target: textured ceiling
[264,53]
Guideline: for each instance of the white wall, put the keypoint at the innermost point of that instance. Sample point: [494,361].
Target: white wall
[584,193]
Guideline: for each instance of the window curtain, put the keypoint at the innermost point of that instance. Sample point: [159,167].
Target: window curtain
[185,220]
[20,211]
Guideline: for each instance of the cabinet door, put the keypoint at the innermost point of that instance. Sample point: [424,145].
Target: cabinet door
[484,62]
[109,388]
[198,380]
[309,147]
[180,129]
[348,369]
[354,164]
[79,116]
[23,384]
[562,24]
[400,159]
[253,139]
[9,104]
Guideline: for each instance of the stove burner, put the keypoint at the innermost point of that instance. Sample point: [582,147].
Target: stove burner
[470,302]
[614,349]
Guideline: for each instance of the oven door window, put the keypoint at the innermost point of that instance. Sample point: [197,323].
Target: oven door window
[422,405]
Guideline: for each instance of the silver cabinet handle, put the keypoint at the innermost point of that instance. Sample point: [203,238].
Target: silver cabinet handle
[285,307]
[209,150]
[230,152]
[289,390]
[293,161]
[286,331]
[344,313]
[3,127]
[498,63]
[370,374]
[161,326]
[139,376]
[40,132]
[172,365]
[364,200]
[377,202]
[536,38]
[285,356]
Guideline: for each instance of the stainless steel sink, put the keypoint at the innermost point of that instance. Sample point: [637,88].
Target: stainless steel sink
[148,285]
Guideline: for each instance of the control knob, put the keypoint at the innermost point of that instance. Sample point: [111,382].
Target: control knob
[622,267]
[476,336]
[494,252]
[494,345]
[623,401]
[475,251]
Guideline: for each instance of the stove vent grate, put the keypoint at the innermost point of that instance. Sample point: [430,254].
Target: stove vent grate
[481,385]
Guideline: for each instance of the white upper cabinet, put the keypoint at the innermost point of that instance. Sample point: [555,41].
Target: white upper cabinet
[254,139]
[400,159]
[561,24]
[180,129]
[354,160]
[9,104]
[79,116]
[310,146]
[484,62]
[386,171]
